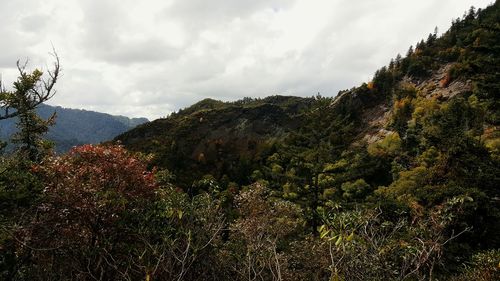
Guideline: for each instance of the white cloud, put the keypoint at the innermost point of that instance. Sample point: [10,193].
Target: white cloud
[147,58]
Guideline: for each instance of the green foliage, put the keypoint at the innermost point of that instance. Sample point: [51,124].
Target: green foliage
[408,183]
[355,190]
[19,186]
[29,137]
[106,206]
[283,188]
[388,146]
[306,155]
[218,138]
[260,237]
[366,245]
[429,158]
[29,91]
[484,266]
[413,205]
[401,114]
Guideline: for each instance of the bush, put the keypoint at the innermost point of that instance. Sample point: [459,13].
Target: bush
[355,190]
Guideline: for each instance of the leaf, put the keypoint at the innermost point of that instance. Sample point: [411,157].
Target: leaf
[333,237]
[323,234]
[180,213]
[338,240]
[170,213]
[350,237]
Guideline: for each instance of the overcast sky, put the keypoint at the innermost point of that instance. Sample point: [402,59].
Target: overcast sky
[148,58]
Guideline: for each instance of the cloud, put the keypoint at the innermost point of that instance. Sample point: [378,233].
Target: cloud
[126,52]
[148,58]
[111,35]
[34,23]
[201,14]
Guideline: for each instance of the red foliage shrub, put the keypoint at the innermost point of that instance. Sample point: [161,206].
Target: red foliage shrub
[91,197]
[95,180]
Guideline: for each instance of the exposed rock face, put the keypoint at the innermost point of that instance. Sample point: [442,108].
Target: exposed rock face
[437,86]
[440,85]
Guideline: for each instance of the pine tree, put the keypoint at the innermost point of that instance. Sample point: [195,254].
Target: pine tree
[29,91]
[308,151]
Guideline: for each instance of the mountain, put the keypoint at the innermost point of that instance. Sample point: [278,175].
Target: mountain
[76,127]
[214,137]
[234,139]
[424,131]
[395,179]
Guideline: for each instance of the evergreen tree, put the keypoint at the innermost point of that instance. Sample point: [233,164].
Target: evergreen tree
[29,91]
[308,152]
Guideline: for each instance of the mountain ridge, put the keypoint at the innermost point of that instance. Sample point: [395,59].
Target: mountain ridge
[76,126]
[437,69]
[395,179]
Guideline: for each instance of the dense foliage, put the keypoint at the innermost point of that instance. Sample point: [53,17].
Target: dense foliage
[396,179]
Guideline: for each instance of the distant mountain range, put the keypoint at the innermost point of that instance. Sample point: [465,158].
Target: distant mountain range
[76,127]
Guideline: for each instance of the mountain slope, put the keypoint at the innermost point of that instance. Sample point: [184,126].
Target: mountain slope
[463,62]
[76,127]
[397,179]
[213,137]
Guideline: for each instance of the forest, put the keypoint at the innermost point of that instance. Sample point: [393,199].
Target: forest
[395,179]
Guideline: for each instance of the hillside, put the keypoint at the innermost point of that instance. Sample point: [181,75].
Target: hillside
[213,137]
[76,127]
[394,179]
[418,137]
[462,63]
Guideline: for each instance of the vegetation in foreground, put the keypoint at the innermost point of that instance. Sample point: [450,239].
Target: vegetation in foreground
[396,179]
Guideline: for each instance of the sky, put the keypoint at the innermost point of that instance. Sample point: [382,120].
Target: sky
[151,57]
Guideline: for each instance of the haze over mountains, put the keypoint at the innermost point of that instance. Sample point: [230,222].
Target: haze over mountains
[76,127]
